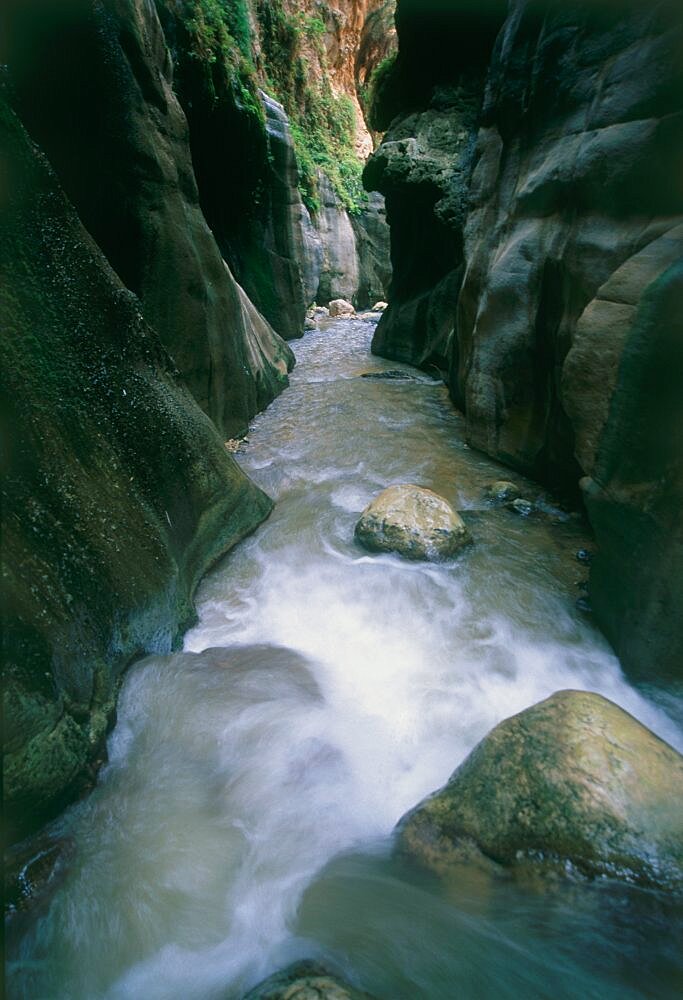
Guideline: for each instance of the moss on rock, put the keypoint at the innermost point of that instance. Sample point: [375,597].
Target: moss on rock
[573,779]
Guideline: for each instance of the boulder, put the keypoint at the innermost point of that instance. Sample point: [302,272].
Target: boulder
[572,782]
[414,522]
[522,507]
[502,491]
[305,981]
[379,307]
[340,307]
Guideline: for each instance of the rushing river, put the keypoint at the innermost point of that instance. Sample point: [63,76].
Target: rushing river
[244,818]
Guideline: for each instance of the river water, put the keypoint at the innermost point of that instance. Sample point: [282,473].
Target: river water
[244,817]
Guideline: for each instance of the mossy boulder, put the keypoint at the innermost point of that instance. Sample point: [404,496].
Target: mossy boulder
[117,493]
[305,981]
[574,779]
[414,522]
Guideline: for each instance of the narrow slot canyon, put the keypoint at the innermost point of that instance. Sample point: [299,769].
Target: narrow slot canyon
[342,482]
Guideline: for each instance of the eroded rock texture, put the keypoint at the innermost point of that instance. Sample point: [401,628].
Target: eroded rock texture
[118,492]
[94,88]
[533,183]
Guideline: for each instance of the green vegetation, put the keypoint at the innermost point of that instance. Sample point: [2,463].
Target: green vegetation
[219,40]
[375,97]
[323,125]
[216,39]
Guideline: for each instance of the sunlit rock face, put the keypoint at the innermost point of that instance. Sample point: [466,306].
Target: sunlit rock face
[118,492]
[533,190]
[571,782]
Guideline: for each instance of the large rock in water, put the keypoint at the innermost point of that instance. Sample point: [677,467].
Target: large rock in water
[574,778]
[340,307]
[531,182]
[413,521]
[118,493]
[305,981]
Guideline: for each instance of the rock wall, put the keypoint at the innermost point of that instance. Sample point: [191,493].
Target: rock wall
[536,162]
[94,88]
[117,490]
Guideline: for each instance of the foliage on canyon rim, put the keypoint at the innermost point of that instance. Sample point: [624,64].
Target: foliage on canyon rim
[220,38]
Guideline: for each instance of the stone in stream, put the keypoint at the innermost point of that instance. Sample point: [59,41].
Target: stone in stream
[522,507]
[340,307]
[502,491]
[380,307]
[391,375]
[305,981]
[573,781]
[414,522]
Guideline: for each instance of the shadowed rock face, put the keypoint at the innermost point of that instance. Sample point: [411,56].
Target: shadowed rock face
[573,778]
[118,493]
[94,88]
[539,174]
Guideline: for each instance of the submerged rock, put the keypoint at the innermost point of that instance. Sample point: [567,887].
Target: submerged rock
[522,507]
[340,307]
[573,779]
[305,981]
[391,375]
[502,491]
[414,522]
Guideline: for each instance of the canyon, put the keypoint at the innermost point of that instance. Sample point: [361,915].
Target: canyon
[185,188]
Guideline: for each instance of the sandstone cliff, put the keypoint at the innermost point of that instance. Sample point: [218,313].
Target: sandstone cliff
[532,173]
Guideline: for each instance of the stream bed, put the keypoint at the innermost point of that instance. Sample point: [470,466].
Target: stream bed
[244,817]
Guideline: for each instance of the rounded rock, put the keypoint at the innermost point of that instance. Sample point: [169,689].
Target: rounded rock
[502,491]
[305,981]
[340,307]
[413,522]
[573,779]
[523,507]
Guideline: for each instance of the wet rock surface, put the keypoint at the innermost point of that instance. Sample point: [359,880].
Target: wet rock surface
[536,240]
[414,522]
[573,780]
[305,981]
[118,492]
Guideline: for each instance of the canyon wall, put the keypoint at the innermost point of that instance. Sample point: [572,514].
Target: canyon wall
[532,169]
[144,175]
[117,491]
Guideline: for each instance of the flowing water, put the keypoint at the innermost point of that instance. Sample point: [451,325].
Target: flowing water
[244,817]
